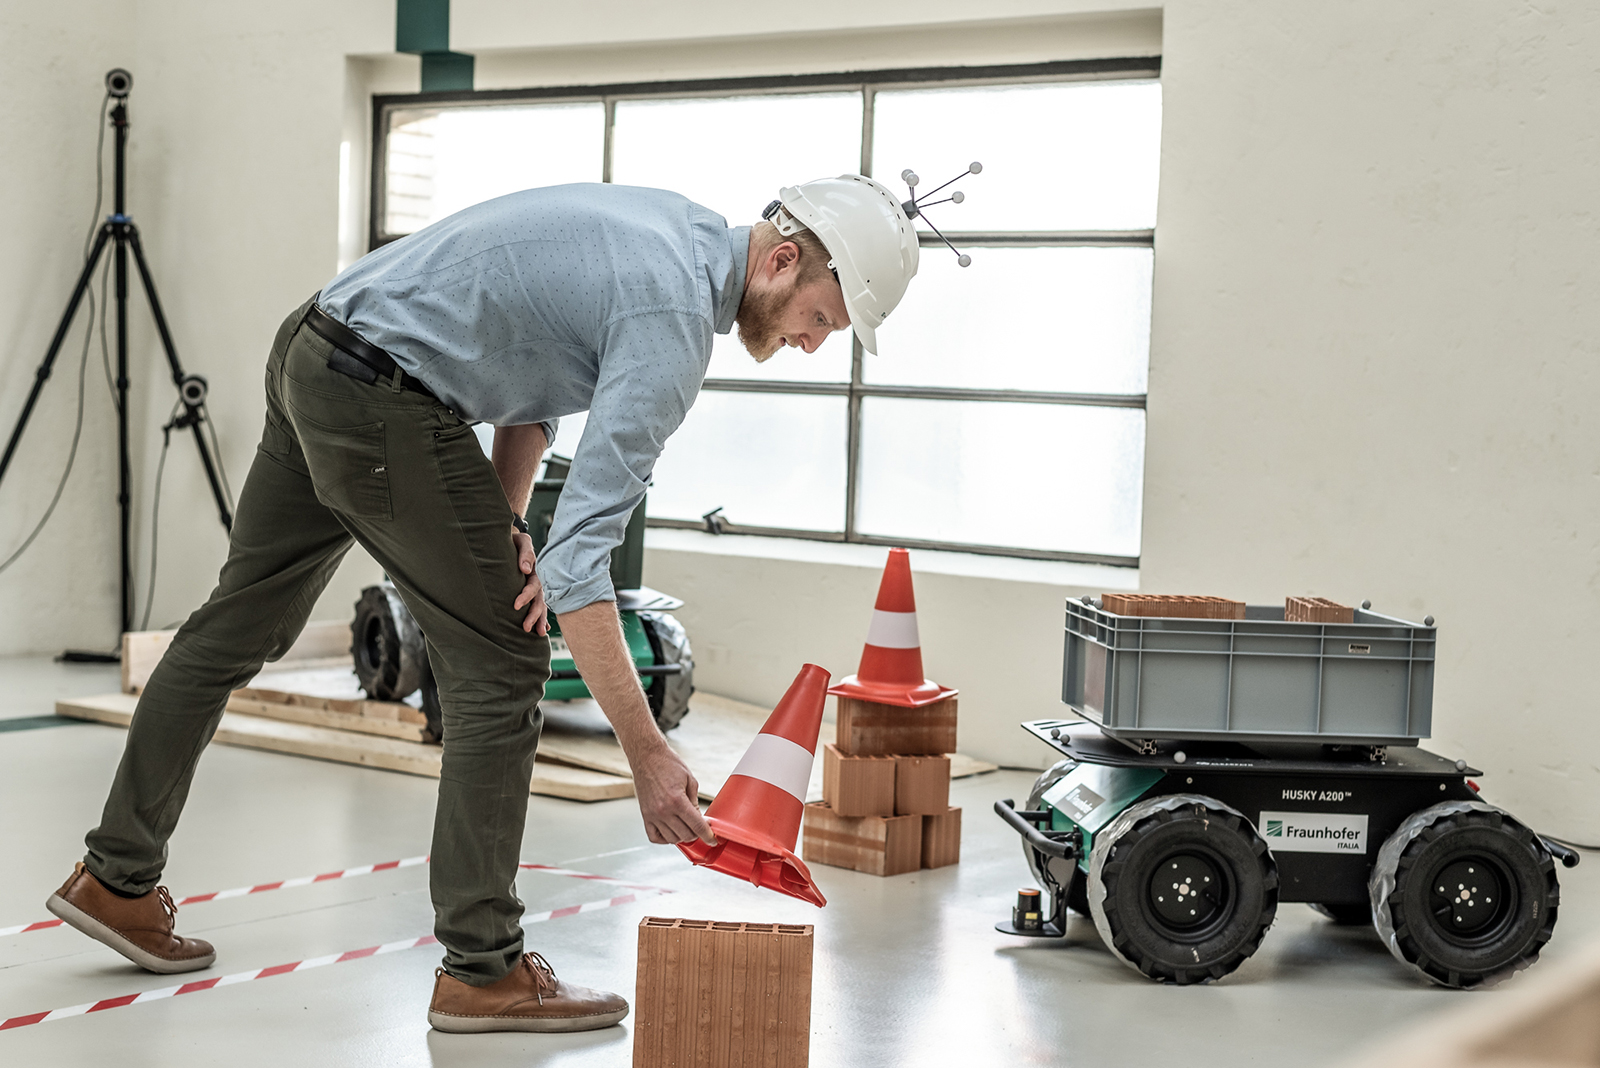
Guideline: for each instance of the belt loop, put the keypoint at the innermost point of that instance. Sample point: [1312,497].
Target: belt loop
[398,382]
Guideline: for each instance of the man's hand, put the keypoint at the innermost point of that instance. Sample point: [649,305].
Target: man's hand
[669,798]
[532,595]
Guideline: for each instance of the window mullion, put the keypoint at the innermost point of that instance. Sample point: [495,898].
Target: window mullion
[611,126]
[853,417]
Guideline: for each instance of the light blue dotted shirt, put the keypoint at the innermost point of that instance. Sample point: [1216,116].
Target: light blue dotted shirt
[551,301]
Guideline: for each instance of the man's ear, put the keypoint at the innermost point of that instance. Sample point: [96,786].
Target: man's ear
[784,257]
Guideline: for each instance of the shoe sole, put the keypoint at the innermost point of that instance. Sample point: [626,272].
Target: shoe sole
[477,1025]
[82,921]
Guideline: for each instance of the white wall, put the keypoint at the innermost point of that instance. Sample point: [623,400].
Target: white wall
[1371,368]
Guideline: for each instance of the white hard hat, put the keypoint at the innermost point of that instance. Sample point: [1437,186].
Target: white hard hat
[867,232]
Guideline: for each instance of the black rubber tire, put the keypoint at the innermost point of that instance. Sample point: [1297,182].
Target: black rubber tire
[668,695]
[1191,835]
[1066,883]
[1345,913]
[391,657]
[1422,911]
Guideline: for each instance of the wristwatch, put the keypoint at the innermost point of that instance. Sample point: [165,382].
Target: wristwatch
[519,522]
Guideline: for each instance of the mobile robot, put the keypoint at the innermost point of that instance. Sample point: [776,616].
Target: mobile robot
[1223,766]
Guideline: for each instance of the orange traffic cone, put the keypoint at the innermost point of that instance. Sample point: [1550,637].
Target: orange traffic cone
[891,663]
[756,815]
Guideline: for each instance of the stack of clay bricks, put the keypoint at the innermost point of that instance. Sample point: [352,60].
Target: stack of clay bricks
[885,807]
[722,995]
[1172,605]
[1316,610]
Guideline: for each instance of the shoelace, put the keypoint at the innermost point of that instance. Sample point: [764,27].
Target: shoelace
[546,974]
[167,906]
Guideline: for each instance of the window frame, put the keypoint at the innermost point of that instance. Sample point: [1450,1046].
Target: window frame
[868,83]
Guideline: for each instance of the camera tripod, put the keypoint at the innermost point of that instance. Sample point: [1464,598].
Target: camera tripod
[119,232]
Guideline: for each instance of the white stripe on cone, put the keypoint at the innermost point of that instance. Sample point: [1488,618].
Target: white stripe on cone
[893,630]
[778,761]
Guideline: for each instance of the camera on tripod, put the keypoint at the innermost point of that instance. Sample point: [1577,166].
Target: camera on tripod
[119,83]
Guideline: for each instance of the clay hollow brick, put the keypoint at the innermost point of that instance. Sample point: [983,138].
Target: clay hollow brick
[941,839]
[858,785]
[1316,610]
[921,785]
[722,995]
[867,728]
[877,845]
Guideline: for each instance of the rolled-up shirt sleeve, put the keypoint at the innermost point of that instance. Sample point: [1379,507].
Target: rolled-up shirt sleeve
[651,367]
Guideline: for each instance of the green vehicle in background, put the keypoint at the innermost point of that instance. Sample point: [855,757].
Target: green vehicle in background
[391,654]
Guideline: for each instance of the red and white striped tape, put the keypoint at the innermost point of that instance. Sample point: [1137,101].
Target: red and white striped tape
[284,969]
[347,873]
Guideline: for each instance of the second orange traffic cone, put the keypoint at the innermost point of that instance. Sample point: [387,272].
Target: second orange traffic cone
[891,664]
[756,815]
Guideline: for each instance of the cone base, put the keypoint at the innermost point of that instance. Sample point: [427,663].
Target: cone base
[901,694]
[755,858]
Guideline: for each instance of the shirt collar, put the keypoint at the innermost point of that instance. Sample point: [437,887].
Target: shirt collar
[731,292]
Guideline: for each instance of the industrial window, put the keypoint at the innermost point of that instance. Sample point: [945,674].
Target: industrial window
[1004,413]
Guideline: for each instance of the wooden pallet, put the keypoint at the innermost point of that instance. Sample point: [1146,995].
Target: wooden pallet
[351,747]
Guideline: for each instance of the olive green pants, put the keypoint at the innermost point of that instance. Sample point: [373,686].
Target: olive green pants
[343,461]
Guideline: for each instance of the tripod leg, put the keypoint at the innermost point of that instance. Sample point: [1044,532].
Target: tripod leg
[55,345]
[160,318]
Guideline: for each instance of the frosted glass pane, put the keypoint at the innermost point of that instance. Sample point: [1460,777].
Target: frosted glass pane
[695,147]
[1035,476]
[733,154]
[440,161]
[1069,320]
[830,363]
[1079,156]
[769,460]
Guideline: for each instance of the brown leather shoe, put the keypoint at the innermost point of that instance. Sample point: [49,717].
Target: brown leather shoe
[529,998]
[140,928]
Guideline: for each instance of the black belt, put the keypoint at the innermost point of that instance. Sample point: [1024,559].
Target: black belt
[353,355]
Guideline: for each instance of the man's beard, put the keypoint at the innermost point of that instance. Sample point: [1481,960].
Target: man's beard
[759,315]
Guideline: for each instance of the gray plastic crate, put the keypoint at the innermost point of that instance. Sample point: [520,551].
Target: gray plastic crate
[1253,679]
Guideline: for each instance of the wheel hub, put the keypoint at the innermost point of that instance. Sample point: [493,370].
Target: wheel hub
[1186,891]
[1468,895]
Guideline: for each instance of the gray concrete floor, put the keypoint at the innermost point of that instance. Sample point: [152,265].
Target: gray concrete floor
[908,970]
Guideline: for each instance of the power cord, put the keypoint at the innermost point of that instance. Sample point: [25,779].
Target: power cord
[155,510]
[88,243]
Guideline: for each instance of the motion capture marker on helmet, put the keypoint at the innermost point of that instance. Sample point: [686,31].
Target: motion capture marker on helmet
[916,205]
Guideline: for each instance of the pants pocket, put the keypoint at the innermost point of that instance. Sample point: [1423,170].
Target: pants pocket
[349,466]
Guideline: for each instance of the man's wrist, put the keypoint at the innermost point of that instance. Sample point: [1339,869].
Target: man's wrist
[520,523]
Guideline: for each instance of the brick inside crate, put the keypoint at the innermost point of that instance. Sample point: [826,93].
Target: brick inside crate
[877,845]
[941,839]
[722,995]
[1316,610]
[1172,605]
[858,785]
[921,785]
[867,728]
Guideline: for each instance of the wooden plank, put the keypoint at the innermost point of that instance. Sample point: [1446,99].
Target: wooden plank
[319,717]
[347,747]
[142,650]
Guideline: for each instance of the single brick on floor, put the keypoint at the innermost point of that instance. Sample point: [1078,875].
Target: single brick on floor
[941,839]
[921,785]
[877,845]
[722,995]
[858,785]
[868,728]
